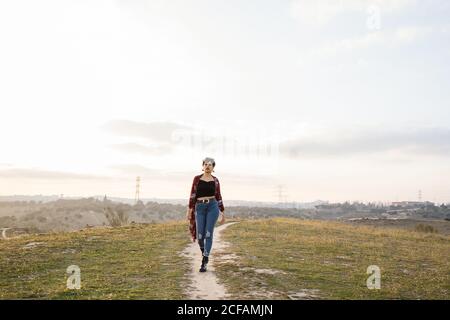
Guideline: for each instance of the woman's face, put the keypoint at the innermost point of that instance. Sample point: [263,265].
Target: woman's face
[207,166]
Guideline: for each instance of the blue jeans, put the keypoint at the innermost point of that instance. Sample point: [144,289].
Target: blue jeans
[206,215]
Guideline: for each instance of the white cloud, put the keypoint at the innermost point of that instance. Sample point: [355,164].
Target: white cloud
[387,38]
[411,34]
[320,12]
[416,141]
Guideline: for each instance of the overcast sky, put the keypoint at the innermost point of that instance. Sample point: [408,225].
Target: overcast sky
[332,100]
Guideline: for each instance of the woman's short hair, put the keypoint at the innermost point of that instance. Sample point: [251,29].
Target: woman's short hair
[209,160]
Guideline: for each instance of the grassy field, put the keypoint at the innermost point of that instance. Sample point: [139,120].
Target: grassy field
[286,258]
[132,262]
[278,258]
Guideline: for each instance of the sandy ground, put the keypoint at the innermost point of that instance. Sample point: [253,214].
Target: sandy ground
[204,285]
[4,233]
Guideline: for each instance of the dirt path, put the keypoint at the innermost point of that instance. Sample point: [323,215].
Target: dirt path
[4,233]
[204,285]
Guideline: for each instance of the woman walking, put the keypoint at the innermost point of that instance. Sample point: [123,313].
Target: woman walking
[203,211]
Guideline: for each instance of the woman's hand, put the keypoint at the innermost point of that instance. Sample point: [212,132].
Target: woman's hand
[222,216]
[188,214]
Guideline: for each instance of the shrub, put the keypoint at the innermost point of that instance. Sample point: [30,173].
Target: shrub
[425,228]
[116,217]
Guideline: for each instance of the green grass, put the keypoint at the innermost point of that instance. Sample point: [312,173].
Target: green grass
[332,258]
[141,261]
[131,262]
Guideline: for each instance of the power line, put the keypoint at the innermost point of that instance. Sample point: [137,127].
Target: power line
[281,195]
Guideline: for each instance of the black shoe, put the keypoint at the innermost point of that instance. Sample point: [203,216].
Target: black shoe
[204,263]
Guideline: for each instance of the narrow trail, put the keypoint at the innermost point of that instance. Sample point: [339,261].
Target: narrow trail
[204,285]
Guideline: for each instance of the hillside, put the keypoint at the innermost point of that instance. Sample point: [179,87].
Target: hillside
[76,214]
[71,215]
[132,262]
[286,258]
[277,258]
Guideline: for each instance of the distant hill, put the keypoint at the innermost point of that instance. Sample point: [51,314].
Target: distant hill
[52,213]
[228,202]
[74,214]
